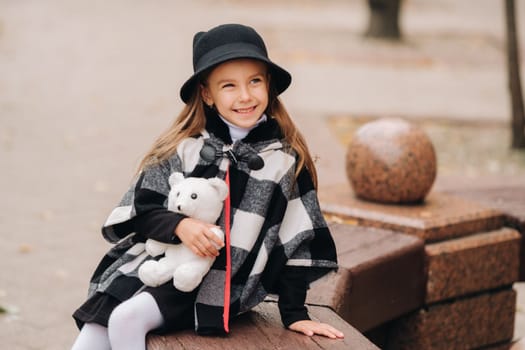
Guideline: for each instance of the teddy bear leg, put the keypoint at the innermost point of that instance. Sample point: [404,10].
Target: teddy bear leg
[188,276]
[153,273]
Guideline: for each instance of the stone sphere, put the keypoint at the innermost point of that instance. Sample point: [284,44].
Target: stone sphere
[391,161]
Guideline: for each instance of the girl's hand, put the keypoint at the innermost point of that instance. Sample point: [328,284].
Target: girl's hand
[309,328]
[197,236]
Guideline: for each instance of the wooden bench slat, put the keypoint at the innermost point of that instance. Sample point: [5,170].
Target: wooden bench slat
[262,329]
[243,335]
[243,332]
[267,319]
[353,338]
[168,342]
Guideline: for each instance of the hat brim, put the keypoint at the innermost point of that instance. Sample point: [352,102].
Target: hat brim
[281,79]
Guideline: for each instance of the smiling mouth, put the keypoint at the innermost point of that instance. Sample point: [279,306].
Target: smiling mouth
[245,110]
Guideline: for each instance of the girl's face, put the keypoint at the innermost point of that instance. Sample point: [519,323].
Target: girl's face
[239,90]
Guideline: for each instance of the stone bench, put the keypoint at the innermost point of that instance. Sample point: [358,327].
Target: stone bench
[262,329]
[509,200]
[381,276]
[472,259]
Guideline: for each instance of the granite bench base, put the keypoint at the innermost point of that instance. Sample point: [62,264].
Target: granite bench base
[472,258]
[479,321]
[472,264]
[510,201]
[262,329]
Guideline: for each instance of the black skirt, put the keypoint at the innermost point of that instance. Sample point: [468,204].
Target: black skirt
[175,306]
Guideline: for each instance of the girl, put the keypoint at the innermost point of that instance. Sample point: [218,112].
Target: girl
[233,127]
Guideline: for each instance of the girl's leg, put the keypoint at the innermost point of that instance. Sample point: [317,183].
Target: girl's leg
[132,320]
[92,336]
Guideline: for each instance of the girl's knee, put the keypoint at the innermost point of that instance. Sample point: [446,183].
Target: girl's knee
[92,336]
[122,315]
[139,313]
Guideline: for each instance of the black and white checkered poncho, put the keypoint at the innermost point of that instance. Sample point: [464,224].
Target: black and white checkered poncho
[275,221]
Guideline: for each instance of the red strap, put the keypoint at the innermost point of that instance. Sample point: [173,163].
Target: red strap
[226,315]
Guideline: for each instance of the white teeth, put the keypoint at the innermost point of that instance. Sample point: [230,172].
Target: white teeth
[244,110]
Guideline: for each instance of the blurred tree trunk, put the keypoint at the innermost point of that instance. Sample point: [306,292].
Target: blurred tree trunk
[384,19]
[513,66]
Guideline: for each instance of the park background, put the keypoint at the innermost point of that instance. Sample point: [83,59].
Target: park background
[85,86]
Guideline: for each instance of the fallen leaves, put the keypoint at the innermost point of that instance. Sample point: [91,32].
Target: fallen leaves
[25,248]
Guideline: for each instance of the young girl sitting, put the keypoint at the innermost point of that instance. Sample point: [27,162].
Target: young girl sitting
[233,127]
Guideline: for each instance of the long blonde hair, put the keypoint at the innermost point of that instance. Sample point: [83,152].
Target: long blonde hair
[192,120]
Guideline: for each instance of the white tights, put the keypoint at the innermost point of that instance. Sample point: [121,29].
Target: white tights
[127,326]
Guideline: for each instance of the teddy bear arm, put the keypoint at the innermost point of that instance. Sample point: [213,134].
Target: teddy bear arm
[155,248]
[154,273]
[188,276]
[219,233]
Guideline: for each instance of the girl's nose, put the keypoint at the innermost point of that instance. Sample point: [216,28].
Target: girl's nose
[244,93]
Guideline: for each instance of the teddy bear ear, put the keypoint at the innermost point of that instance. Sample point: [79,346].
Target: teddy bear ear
[220,186]
[175,178]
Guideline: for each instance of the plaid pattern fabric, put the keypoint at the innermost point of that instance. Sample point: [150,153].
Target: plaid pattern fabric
[275,221]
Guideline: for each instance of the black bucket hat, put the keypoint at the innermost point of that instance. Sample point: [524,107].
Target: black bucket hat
[227,42]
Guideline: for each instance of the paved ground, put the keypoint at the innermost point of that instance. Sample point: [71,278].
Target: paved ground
[86,86]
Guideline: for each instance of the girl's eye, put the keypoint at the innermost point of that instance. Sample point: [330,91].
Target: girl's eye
[194,196]
[256,80]
[229,85]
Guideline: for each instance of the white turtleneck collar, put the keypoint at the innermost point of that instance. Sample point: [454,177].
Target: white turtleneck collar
[238,133]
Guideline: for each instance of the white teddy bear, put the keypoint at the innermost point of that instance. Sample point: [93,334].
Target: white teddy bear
[194,197]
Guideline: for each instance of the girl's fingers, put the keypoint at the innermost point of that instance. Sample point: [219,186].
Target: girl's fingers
[329,331]
[199,237]
[326,332]
[202,246]
[310,328]
[209,249]
[198,252]
[198,249]
[206,246]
